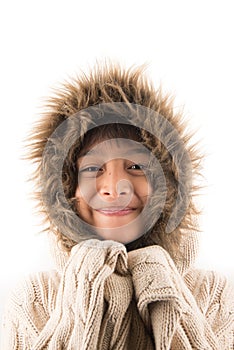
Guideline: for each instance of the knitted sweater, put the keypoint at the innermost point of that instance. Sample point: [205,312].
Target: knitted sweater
[102,297]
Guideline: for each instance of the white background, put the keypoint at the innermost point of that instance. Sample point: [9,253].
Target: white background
[189,48]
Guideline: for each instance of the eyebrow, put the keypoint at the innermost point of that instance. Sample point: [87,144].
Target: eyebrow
[94,152]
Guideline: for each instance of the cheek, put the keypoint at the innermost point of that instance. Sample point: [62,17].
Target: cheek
[77,193]
[144,188]
[82,205]
[85,191]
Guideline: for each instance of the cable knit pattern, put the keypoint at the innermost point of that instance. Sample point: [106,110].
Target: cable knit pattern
[106,298]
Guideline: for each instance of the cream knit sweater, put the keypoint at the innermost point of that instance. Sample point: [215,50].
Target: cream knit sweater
[105,298]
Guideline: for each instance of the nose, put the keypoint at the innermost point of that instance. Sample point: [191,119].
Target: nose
[115,183]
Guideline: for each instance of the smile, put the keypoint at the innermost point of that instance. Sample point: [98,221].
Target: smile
[116,211]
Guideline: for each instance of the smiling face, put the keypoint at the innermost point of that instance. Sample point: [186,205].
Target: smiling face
[113,188]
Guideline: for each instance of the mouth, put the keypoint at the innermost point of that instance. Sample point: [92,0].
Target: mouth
[116,211]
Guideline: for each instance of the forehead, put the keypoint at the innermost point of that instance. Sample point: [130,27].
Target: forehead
[116,148]
[112,131]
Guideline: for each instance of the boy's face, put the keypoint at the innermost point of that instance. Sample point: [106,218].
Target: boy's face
[113,188]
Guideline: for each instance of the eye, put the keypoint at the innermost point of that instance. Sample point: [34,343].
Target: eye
[137,166]
[90,169]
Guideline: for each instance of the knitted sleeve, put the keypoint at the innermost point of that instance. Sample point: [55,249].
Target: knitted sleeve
[66,314]
[108,299]
[181,318]
[214,295]
[28,309]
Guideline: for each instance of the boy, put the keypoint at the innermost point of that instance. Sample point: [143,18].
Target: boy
[115,181]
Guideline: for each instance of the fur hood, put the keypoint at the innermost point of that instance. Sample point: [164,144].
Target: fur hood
[111,94]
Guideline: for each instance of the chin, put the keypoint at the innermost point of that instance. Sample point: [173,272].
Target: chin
[120,234]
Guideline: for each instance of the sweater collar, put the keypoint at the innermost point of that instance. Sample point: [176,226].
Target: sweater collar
[189,249]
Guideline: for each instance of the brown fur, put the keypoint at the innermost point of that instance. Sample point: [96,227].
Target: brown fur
[111,83]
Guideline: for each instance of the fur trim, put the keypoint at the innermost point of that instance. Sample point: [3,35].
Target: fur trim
[106,84]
